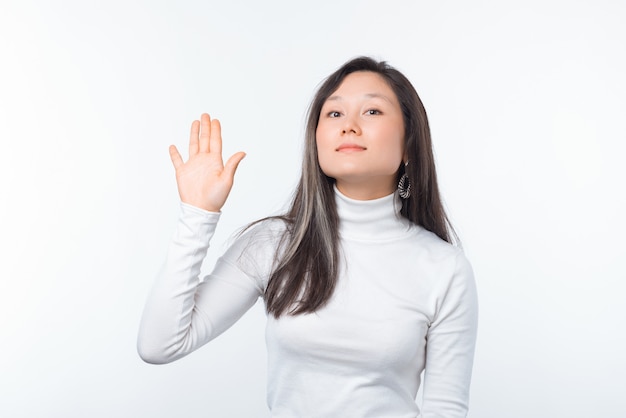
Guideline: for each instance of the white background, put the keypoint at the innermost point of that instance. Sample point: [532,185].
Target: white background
[527,103]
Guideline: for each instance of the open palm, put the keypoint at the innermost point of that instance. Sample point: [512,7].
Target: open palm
[204,180]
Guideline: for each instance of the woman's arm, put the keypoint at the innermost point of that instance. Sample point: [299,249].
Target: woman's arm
[183,312]
[450,347]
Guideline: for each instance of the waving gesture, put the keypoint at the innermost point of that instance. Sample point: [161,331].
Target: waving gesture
[204,181]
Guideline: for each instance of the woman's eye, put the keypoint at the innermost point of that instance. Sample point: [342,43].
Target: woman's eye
[373,112]
[334,114]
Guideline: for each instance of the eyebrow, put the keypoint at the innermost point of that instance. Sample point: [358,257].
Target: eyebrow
[368,95]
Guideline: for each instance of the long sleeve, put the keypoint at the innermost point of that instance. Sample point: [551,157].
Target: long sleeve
[183,312]
[450,346]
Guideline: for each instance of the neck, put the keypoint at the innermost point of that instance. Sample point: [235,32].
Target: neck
[364,191]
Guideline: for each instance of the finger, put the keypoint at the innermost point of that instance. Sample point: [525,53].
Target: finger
[205,132]
[215,143]
[232,164]
[177,160]
[193,138]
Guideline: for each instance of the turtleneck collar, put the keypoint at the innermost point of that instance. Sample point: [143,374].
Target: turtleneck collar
[371,220]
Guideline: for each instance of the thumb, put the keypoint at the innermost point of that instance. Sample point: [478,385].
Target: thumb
[233,163]
[175,157]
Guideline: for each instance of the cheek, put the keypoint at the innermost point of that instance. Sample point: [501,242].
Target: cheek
[325,154]
[322,142]
[392,154]
[399,144]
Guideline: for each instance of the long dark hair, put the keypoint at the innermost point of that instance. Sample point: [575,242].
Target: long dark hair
[307,261]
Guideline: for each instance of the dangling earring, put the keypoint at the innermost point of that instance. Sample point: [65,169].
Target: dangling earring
[404,185]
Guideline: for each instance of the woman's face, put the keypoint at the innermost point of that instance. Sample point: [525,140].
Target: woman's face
[360,136]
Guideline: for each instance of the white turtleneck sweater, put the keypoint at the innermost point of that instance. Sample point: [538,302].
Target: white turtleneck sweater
[405,303]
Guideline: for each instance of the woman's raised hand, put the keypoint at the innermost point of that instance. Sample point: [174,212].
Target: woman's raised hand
[204,181]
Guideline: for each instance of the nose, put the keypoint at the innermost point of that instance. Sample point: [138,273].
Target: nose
[351,126]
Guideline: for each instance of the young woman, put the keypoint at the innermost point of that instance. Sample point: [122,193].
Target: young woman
[363,286]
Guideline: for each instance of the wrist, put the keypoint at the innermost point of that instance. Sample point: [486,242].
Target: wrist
[202,208]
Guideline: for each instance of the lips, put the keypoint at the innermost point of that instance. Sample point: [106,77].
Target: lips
[350,147]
